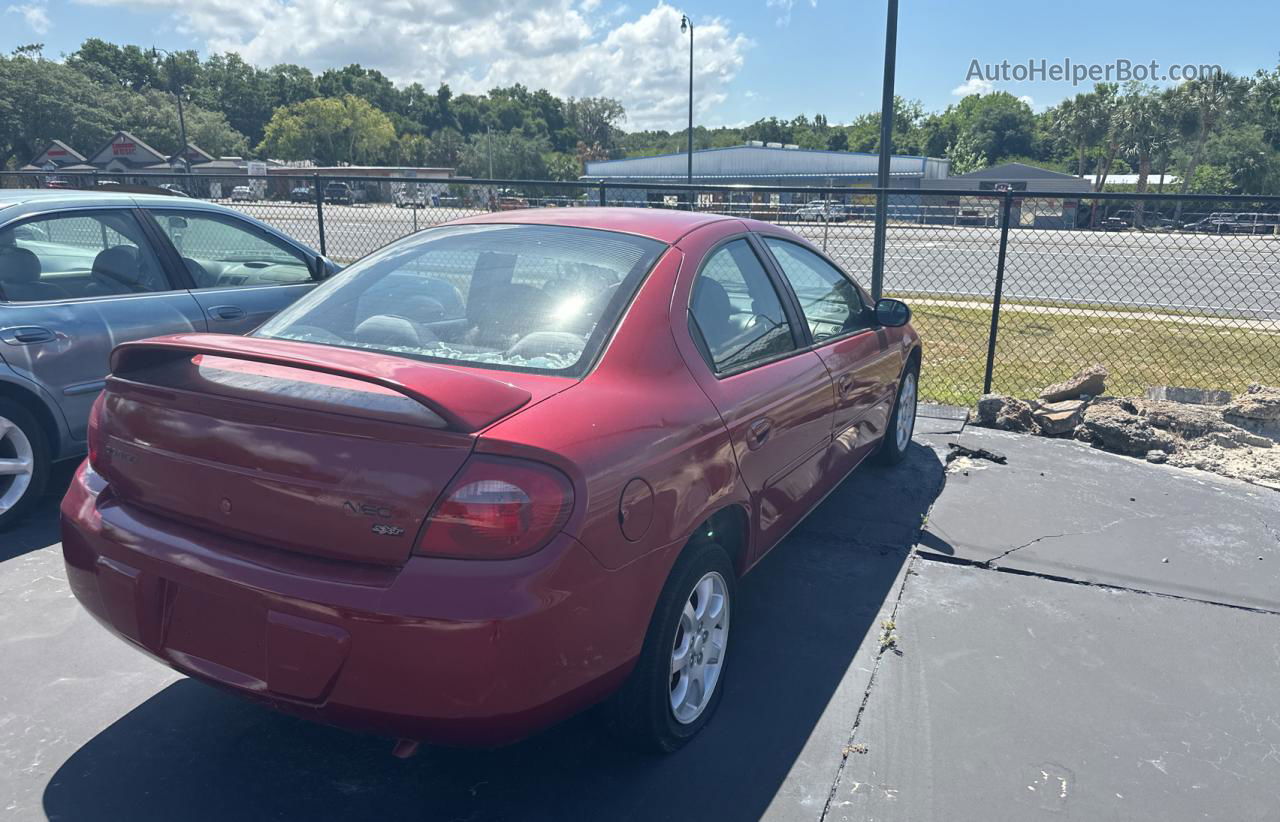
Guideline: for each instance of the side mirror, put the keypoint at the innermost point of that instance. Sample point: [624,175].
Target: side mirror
[319,268]
[892,313]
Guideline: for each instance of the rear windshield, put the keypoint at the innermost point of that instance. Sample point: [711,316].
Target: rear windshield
[519,297]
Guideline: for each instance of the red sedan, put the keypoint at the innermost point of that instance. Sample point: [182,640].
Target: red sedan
[490,475]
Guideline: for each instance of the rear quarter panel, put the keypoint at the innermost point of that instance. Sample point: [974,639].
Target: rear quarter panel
[638,416]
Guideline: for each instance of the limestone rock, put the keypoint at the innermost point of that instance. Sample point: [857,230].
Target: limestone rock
[1005,413]
[1090,381]
[1117,426]
[1258,402]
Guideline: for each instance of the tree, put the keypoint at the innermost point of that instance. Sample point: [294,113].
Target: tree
[330,130]
[1209,98]
[595,120]
[41,100]
[1140,130]
[514,156]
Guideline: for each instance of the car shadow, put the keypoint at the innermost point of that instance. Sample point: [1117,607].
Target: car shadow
[39,527]
[196,752]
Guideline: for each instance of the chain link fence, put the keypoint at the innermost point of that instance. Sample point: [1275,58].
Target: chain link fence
[1010,290]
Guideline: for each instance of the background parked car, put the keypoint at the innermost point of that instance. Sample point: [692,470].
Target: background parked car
[1220,222]
[820,210]
[339,193]
[411,197]
[83,271]
[302,194]
[242,194]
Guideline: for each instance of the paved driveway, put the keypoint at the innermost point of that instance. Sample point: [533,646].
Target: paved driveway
[1078,676]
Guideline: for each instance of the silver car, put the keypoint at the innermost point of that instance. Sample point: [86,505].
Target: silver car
[81,272]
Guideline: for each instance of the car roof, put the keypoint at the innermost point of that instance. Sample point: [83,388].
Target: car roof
[663,224]
[54,197]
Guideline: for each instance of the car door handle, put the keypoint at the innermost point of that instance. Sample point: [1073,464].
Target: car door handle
[758,432]
[26,335]
[226,312]
[843,383]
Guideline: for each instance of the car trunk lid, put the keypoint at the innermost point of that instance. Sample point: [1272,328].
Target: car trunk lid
[307,448]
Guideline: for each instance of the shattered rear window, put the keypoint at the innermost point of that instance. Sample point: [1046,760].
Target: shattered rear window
[522,297]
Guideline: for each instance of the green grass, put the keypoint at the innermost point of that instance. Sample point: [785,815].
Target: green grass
[1036,349]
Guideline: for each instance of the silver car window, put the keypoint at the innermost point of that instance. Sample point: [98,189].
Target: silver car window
[77,255]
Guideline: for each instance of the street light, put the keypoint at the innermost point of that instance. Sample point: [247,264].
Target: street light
[182,120]
[687,25]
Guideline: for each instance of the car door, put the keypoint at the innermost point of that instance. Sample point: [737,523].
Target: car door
[774,397]
[863,367]
[241,274]
[73,285]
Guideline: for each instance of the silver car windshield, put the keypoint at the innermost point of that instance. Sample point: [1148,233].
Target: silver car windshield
[523,297]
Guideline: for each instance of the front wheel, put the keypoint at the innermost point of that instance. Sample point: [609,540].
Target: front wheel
[24,462]
[677,682]
[902,422]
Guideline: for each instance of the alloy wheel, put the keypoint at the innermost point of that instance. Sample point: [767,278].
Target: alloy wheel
[697,654]
[906,411]
[17,464]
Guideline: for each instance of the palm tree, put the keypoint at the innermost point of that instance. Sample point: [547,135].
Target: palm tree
[1107,119]
[1210,98]
[1140,130]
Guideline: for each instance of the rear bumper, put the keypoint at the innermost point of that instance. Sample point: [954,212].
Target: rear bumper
[447,651]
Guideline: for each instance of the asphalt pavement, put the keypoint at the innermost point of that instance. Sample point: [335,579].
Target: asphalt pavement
[1006,643]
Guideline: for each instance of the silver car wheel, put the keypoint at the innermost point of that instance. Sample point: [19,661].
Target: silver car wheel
[697,655]
[906,411]
[17,464]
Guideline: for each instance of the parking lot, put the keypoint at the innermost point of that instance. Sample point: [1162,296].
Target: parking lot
[1111,655]
[1216,275]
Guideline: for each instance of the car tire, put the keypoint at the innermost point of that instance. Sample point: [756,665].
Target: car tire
[21,439]
[641,713]
[902,422]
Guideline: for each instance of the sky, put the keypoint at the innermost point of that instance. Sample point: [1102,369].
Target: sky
[752,58]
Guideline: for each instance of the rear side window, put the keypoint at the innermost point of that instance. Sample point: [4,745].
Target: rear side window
[736,310]
[77,255]
[523,297]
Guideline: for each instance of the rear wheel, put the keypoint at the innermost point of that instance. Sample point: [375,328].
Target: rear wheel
[24,462]
[902,423]
[676,685]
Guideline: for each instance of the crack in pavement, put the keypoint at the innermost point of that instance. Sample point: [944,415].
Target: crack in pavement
[1090,531]
[943,559]
[866,694]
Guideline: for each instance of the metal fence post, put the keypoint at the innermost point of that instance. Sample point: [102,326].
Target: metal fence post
[603,200]
[320,211]
[1005,207]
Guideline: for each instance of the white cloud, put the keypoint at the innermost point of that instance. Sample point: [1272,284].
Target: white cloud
[35,14]
[784,8]
[569,47]
[974,85]
[1026,98]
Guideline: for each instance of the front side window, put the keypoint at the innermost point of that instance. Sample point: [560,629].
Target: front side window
[77,255]
[736,310]
[524,297]
[220,251]
[829,301]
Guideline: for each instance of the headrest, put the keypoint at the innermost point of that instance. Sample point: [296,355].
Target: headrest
[18,266]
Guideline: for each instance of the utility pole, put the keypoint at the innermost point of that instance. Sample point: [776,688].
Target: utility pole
[488,135]
[886,148]
[686,23]
[182,120]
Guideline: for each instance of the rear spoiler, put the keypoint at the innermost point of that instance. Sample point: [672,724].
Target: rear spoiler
[466,401]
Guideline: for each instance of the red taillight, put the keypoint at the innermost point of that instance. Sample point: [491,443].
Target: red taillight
[497,508]
[94,431]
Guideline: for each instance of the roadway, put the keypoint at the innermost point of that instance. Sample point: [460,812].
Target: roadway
[1231,275]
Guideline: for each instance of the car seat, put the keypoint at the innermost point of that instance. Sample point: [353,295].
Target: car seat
[20,277]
